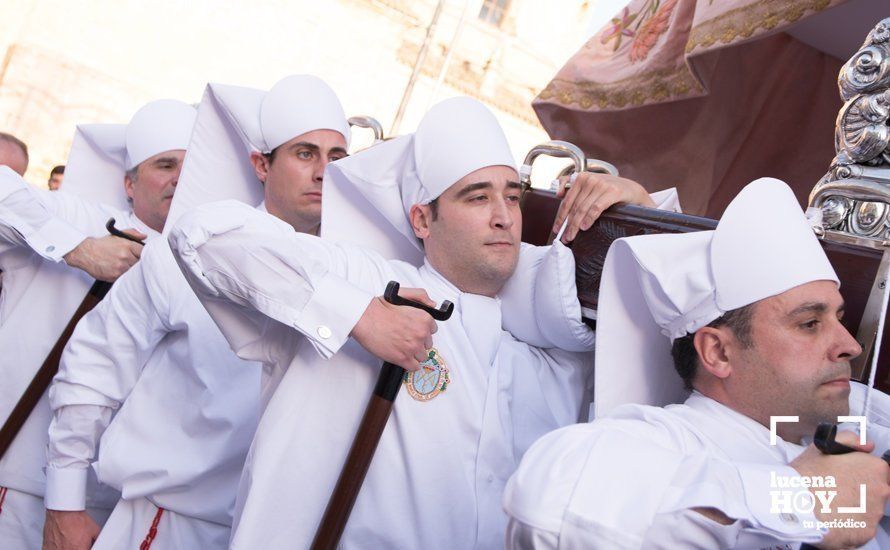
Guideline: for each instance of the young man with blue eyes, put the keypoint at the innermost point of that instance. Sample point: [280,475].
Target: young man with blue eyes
[187,406]
[293,174]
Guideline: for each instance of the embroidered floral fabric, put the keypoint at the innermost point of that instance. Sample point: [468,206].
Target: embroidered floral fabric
[701,95]
[646,54]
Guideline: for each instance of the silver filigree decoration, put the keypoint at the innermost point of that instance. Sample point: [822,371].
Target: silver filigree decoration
[869,69]
[835,211]
[855,193]
[862,133]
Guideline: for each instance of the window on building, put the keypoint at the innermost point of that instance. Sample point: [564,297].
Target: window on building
[493,11]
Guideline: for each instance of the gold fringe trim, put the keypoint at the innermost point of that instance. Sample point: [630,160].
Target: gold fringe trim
[743,23]
[652,87]
[679,83]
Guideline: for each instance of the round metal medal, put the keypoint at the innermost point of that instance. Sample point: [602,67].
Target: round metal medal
[431,379]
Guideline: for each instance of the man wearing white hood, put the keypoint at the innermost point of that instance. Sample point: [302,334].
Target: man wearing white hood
[115,164]
[307,306]
[188,405]
[752,319]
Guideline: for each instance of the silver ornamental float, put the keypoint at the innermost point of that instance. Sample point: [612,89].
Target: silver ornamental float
[853,198]
[854,195]
[850,205]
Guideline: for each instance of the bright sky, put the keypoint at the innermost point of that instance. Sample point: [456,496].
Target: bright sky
[602,12]
[547,167]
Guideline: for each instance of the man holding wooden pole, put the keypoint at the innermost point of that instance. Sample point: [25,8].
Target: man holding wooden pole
[126,172]
[447,199]
[713,373]
[187,405]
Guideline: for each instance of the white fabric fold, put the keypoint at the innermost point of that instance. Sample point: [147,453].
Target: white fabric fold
[762,247]
[377,187]
[159,126]
[298,104]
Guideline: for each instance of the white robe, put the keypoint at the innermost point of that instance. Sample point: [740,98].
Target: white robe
[132,520]
[39,295]
[630,479]
[188,405]
[291,300]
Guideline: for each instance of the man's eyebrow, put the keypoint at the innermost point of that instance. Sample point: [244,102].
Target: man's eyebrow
[514,185]
[337,150]
[162,160]
[812,307]
[473,187]
[304,144]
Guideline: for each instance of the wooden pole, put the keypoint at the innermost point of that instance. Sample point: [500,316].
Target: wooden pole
[50,366]
[352,476]
[48,369]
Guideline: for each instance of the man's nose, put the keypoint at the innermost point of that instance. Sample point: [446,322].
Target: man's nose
[500,215]
[845,346]
[319,169]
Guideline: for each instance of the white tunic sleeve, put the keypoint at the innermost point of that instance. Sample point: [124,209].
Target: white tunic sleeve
[100,366]
[627,483]
[27,219]
[666,199]
[681,529]
[878,415]
[540,300]
[260,280]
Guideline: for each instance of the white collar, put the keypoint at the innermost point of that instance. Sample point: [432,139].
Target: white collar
[134,222]
[480,316]
[742,433]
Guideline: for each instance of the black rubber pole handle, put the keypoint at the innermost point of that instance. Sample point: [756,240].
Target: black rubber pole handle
[109,225]
[824,440]
[442,313]
[391,375]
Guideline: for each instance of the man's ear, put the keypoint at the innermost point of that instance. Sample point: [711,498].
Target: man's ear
[260,165]
[420,216]
[128,186]
[711,345]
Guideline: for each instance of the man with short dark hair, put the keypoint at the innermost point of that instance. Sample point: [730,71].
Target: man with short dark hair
[55,177]
[13,153]
[683,349]
[188,406]
[475,396]
[753,313]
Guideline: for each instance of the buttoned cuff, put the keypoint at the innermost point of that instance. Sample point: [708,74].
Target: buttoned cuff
[66,489]
[772,509]
[54,239]
[333,310]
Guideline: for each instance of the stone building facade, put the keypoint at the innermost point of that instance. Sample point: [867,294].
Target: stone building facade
[65,63]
